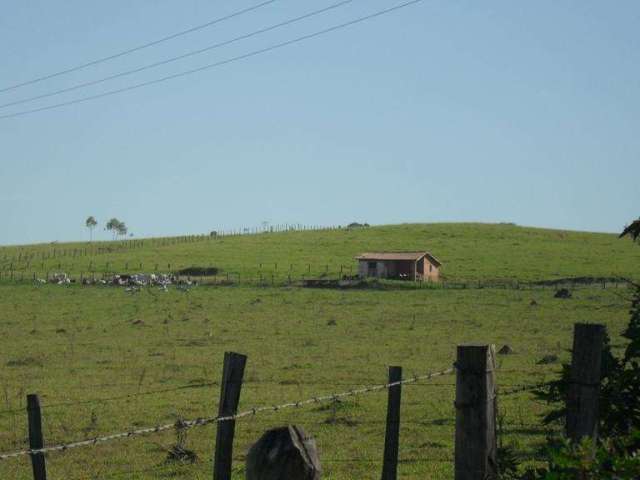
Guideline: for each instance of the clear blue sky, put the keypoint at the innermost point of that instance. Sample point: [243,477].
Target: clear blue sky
[526,112]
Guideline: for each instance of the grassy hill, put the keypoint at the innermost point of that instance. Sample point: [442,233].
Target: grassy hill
[104,360]
[468,252]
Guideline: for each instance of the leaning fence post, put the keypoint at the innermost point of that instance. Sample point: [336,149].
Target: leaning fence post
[475,445]
[584,381]
[392,435]
[232,375]
[36,441]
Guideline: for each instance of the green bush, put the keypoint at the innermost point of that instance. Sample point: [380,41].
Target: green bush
[619,408]
[613,459]
[617,453]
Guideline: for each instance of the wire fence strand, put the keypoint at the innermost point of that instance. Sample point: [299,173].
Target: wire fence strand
[198,422]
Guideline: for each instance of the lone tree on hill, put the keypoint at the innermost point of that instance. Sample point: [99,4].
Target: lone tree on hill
[114,226]
[91,223]
[122,229]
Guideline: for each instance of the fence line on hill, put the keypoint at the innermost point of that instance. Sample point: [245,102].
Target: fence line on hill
[475,453]
[89,249]
[340,276]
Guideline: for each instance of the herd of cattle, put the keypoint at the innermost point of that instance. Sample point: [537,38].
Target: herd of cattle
[124,280]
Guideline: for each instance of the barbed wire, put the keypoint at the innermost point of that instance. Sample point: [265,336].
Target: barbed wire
[116,397]
[281,279]
[183,425]
[516,388]
[521,389]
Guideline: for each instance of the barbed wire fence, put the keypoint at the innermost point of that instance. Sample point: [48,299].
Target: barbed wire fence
[18,257]
[275,275]
[199,422]
[476,391]
[46,263]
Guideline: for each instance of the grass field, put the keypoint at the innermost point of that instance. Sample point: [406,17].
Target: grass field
[104,360]
[468,251]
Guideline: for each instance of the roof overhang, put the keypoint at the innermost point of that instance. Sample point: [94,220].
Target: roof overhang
[397,256]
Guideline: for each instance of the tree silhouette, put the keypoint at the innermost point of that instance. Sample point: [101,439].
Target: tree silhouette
[632,230]
[122,229]
[91,223]
[113,226]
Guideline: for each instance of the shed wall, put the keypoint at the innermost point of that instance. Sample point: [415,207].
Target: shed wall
[388,269]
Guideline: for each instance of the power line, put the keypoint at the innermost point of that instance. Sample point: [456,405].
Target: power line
[179,57]
[139,47]
[218,64]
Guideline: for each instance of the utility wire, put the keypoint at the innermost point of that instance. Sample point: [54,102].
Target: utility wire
[179,57]
[220,63]
[139,47]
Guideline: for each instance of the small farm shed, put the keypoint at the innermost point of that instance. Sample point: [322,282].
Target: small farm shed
[420,266]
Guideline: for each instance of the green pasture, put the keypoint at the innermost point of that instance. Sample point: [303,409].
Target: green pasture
[104,360]
[96,355]
[468,252]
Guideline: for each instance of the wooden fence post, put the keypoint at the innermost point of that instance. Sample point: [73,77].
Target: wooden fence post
[232,375]
[392,435]
[475,445]
[584,381]
[35,437]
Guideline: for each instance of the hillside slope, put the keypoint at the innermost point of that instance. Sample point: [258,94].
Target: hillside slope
[469,251]
[107,360]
